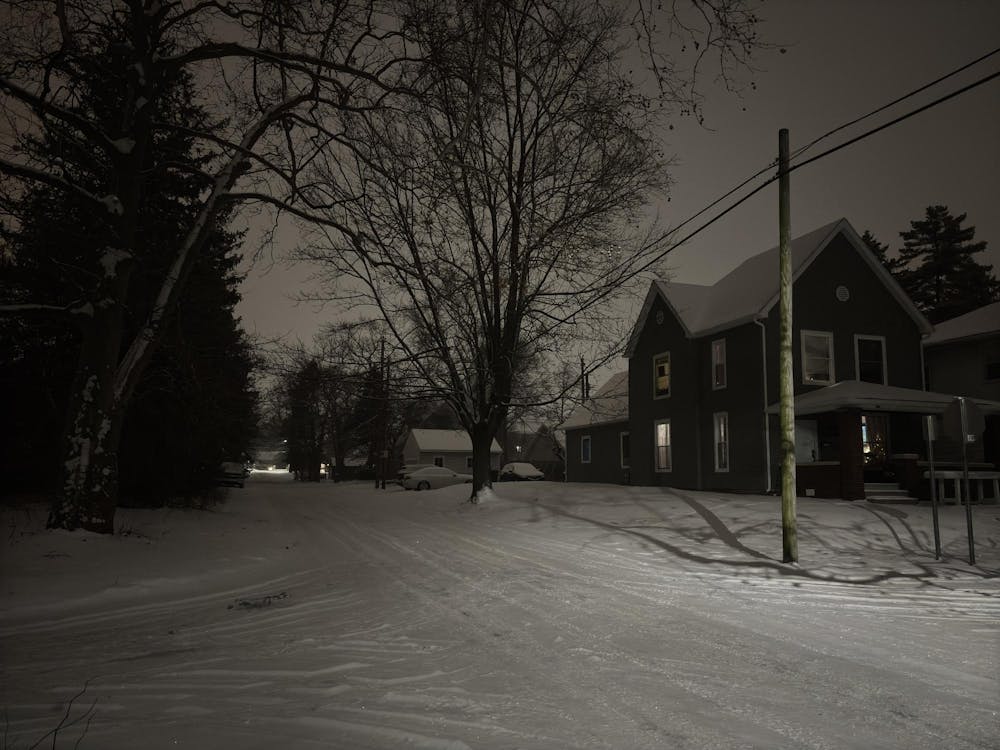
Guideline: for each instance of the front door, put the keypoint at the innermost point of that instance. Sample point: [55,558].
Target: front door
[874,444]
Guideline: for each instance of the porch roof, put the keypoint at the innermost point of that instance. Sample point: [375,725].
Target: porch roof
[854,394]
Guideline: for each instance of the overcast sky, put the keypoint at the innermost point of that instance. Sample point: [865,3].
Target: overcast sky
[842,60]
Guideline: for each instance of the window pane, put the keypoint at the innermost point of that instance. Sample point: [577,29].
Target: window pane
[663,453]
[816,358]
[661,373]
[719,363]
[722,442]
[871,368]
[626,450]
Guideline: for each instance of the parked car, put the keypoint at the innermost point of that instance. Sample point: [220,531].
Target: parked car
[519,472]
[231,474]
[408,469]
[432,477]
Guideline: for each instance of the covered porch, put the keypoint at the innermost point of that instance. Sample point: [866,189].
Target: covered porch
[855,433]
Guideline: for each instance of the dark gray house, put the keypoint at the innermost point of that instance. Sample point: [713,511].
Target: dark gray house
[962,356]
[597,435]
[703,387]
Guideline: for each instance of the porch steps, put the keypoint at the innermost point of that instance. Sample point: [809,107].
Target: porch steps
[887,493]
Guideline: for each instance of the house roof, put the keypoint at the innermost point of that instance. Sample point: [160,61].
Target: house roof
[983,321]
[609,404]
[854,394]
[446,441]
[750,290]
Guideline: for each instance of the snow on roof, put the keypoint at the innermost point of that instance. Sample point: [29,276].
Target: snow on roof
[750,290]
[447,441]
[982,321]
[609,404]
[855,394]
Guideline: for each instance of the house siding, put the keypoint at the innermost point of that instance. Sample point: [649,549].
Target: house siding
[605,454]
[870,311]
[686,370]
[743,401]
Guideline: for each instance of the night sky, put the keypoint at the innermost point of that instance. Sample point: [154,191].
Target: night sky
[842,59]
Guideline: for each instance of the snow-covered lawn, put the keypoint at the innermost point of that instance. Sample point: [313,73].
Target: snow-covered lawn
[551,616]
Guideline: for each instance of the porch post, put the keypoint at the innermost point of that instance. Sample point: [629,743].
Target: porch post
[852,459]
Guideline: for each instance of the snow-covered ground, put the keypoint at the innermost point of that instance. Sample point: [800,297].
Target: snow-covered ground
[551,616]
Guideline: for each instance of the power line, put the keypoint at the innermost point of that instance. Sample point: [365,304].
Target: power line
[792,168]
[895,101]
[826,135]
[897,120]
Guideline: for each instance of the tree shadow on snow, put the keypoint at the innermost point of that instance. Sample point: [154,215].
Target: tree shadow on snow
[759,560]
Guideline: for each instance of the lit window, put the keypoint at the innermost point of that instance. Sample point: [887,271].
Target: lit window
[661,375]
[869,354]
[585,449]
[661,434]
[721,430]
[817,357]
[719,364]
[626,449]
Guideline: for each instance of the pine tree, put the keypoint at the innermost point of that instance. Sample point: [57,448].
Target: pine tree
[938,268]
[194,405]
[892,265]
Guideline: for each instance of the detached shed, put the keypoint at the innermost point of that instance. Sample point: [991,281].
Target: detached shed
[449,448]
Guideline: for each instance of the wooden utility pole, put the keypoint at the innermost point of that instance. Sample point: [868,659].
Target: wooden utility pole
[786,387]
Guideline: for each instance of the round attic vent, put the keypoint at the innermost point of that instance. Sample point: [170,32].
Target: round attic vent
[843,293]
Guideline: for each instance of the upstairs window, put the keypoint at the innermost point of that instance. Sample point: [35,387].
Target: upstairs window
[661,439]
[817,357]
[718,364]
[661,375]
[869,358]
[585,449]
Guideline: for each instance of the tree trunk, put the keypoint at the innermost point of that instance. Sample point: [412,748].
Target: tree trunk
[89,489]
[482,477]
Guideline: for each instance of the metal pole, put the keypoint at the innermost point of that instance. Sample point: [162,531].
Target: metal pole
[786,387]
[965,481]
[934,504]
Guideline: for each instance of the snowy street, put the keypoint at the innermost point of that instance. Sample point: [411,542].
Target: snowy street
[550,616]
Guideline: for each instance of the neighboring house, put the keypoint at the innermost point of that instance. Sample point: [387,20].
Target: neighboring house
[962,356]
[449,448]
[538,447]
[597,435]
[703,378]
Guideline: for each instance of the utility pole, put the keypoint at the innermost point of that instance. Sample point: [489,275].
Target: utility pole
[786,387]
[385,415]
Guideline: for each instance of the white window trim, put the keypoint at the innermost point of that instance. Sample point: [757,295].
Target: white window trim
[715,442]
[670,447]
[590,449]
[828,335]
[858,337]
[621,452]
[725,365]
[670,379]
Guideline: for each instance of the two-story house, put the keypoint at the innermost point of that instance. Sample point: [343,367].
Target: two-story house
[703,377]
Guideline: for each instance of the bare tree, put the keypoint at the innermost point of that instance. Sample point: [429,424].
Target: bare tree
[495,219]
[83,94]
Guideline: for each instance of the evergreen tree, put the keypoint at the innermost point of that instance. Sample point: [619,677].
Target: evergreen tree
[881,252]
[194,404]
[938,268]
